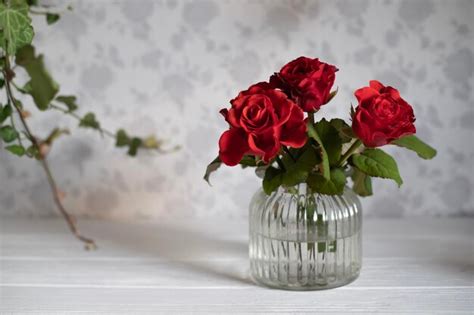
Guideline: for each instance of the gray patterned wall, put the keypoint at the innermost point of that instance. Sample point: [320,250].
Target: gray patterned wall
[168,66]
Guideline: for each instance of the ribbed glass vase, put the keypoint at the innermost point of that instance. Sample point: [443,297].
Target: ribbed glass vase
[305,241]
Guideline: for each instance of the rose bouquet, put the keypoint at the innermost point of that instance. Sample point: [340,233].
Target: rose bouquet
[272,127]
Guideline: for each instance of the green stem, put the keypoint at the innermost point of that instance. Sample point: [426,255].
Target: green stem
[311,117]
[349,152]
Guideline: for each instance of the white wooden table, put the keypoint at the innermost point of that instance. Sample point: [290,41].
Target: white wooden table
[201,266]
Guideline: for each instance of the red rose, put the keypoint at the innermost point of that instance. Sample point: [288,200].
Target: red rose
[382,115]
[307,81]
[261,120]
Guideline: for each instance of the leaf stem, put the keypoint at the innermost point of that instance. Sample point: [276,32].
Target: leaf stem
[70,220]
[349,152]
[78,118]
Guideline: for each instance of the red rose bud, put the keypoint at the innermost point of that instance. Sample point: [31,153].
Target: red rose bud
[307,81]
[261,120]
[382,115]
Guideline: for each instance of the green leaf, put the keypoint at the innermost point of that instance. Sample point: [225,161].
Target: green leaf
[212,167]
[2,83]
[297,172]
[415,144]
[325,169]
[69,101]
[333,186]
[15,26]
[135,143]
[272,179]
[375,162]
[362,183]
[89,121]
[16,149]
[5,112]
[122,138]
[332,142]
[345,131]
[8,133]
[41,86]
[52,18]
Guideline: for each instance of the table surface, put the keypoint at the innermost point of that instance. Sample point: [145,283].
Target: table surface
[201,266]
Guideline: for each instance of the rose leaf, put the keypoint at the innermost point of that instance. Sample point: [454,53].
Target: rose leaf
[375,162]
[413,143]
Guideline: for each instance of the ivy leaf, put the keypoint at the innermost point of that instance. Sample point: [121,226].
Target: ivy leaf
[324,156]
[362,183]
[69,101]
[52,18]
[272,179]
[5,112]
[16,149]
[89,121]
[415,144]
[332,186]
[15,26]
[41,86]
[298,171]
[212,167]
[122,138]
[135,143]
[8,133]
[33,152]
[332,142]
[375,162]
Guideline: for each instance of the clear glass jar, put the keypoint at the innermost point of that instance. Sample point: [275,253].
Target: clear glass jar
[305,241]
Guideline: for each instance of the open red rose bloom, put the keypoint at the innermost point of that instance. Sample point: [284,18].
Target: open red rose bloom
[261,120]
[382,115]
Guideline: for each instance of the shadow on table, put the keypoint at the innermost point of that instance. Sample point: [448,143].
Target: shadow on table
[194,250]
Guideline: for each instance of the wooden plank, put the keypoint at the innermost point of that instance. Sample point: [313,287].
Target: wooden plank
[201,266]
[426,300]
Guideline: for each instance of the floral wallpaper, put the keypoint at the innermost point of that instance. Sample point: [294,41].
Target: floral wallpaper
[167,67]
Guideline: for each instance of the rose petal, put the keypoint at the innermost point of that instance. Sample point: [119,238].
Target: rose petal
[232,146]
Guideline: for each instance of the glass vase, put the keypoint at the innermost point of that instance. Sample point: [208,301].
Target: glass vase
[301,240]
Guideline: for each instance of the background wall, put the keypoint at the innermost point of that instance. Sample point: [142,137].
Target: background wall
[167,67]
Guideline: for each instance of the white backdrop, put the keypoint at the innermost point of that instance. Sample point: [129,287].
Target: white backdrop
[167,67]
